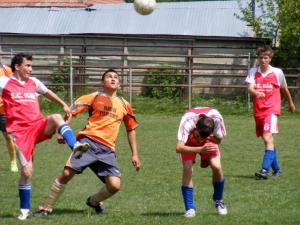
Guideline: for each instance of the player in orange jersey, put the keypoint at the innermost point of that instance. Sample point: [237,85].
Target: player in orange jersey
[6,71]
[106,112]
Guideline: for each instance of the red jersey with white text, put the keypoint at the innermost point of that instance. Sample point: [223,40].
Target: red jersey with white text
[21,102]
[269,83]
[186,131]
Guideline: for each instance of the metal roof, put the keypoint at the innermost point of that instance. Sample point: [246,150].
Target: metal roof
[211,18]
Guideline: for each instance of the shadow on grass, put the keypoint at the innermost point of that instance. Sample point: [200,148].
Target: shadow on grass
[63,211]
[252,177]
[162,214]
[7,216]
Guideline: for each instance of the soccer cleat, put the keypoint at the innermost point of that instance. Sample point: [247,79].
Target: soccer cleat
[190,213]
[14,166]
[220,207]
[79,149]
[262,174]
[23,216]
[41,213]
[276,174]
[98,208]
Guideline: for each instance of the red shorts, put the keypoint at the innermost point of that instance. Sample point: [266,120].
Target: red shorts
[204,156]
[267,124]
[25,140]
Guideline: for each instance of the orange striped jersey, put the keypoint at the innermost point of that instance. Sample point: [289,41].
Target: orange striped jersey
[105,116]
[4,71]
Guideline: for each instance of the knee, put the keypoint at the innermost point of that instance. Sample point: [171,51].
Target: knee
[26,173]
[217,170]
[188,169]
[56,118]
[65,176]
[113,188]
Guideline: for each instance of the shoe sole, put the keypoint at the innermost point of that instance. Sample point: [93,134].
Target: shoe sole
[80,151]
[258,175]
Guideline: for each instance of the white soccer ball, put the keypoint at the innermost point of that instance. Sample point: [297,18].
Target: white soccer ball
[144,7]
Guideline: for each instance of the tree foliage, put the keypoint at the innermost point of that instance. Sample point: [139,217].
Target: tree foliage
[278,20]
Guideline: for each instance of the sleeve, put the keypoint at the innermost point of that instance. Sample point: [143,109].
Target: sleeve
[7,71]
[3,81]
[185,126]
[83,103]
[219,130]
[250,76]
[129,119]
[281,78]
[40,87]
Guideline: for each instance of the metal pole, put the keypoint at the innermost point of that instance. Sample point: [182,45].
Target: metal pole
[248,94]
[71,78]
[130,85]
[190,80]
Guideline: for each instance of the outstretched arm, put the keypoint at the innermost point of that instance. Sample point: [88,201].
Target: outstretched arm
[288,97]
[53,97]
[131,135]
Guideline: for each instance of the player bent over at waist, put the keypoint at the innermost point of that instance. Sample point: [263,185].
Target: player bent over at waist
[200,132]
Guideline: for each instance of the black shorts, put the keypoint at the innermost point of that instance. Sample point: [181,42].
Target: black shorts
[99,158]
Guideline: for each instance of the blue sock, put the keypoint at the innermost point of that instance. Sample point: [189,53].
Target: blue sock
[24,194]
[218,190]
[275,165]
[66,131]
[188,197]
[267,160]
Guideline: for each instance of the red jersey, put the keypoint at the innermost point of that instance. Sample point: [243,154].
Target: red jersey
[186,131]
[21,102]
[269,83]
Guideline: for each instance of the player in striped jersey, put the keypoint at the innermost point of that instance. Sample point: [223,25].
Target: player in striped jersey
[265,84]
[27,125]
[106,113]
[6,71]
[201,130]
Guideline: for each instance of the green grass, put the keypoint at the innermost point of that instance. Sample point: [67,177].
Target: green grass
[153,195]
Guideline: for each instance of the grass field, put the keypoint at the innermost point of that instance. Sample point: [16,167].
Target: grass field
[153,195]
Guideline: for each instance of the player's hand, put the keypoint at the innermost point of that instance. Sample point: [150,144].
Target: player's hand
[291,108]
[260,95]
[60,140]
[208,148]
[136,162]
[68,114]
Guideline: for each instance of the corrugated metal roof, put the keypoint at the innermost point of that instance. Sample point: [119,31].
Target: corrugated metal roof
[54,3]
[214,18]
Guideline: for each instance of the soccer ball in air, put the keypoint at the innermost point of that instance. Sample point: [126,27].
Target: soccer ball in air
[144,7]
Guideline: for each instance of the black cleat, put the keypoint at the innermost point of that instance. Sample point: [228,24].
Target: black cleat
[41,213]
[98,208]
[262,174]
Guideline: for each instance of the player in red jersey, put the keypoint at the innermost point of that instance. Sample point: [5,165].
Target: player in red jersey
[201,130]
[106,112]
[265,84]
[6,71]
[27,125]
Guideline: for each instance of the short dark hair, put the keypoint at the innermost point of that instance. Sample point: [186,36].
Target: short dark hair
[108,71]
[205,126]
[266,49]
[18,60]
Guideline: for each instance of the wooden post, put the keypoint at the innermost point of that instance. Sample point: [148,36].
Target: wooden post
[297,92]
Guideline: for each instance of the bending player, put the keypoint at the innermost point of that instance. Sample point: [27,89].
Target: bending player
[201,130]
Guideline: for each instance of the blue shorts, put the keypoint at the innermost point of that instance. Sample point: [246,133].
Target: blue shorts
[99,158]
[2,123]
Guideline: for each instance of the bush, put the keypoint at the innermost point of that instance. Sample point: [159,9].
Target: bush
[164,77]
[61,75]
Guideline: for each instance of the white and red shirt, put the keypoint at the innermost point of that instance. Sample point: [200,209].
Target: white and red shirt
[21,101]
[190,119]
[269,83]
